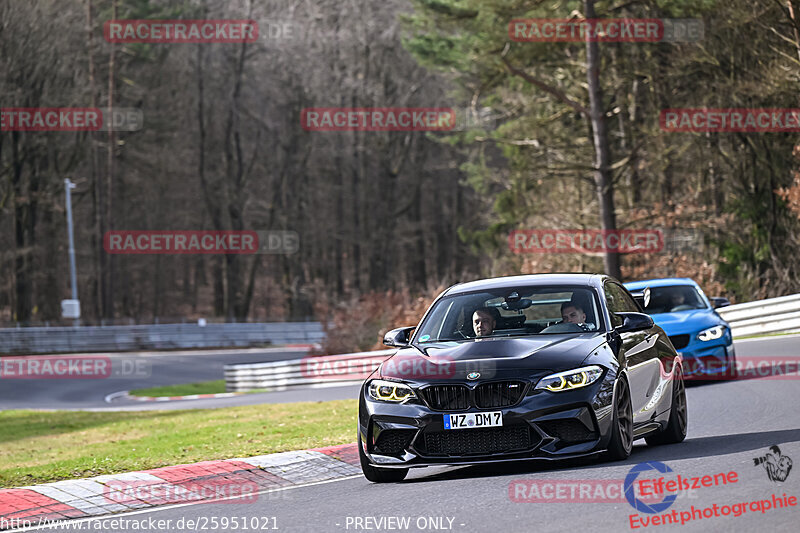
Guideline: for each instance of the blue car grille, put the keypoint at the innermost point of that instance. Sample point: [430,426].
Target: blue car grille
[679,341]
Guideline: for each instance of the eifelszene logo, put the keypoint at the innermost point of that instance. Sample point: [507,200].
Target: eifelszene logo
[637,503]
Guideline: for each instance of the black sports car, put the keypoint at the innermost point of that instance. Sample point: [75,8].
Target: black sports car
[545,366]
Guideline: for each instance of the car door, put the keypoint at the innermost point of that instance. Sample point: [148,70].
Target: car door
[640,350]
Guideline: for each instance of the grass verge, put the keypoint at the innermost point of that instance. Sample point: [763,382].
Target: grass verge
[39,446]
[187,389]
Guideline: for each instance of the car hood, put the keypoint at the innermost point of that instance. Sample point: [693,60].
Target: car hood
[687,321]
[497,357]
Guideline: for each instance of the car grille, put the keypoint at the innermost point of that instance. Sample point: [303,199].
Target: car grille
[485,396]
[567,430]
[499,394]
[393,441]
[447,397]
[679,341]
[478,441]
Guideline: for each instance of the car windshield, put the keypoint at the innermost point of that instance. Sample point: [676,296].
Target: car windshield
[674,298]
[510,312]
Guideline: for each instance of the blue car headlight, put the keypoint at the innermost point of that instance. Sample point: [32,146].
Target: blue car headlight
[711,334]
[570,379]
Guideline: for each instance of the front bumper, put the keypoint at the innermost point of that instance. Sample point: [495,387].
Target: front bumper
[542,425]
[708,360]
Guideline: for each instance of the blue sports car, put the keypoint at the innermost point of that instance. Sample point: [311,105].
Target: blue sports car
[689,318]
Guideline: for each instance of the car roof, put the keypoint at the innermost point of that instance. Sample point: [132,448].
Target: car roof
[662,282]
[588,280]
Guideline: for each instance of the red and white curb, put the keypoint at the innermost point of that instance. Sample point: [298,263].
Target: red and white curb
[205,481]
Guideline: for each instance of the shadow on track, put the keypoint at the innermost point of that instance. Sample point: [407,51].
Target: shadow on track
[689,449]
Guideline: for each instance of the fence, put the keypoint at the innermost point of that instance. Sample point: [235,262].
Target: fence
[156,337]
[332,369]
[776,315]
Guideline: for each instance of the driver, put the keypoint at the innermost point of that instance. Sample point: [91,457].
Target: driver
[676,299]
[484,321]
[573,313]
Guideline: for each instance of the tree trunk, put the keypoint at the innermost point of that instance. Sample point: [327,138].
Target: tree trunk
[108,300]
[97,184]
[23,292]
[602,172]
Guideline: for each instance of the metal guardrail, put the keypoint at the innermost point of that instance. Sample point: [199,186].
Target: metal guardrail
[331,369]
[156,337]
[775,315]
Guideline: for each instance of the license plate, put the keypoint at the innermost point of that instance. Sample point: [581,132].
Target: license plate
[474,420]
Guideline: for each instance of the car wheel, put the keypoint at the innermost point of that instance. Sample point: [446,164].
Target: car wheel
[380,475]
[621,442]
[675,431]
[731,372]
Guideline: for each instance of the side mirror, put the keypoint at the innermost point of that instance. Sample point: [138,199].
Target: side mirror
[642,297]
[634,322]
[718,302]
[398,337]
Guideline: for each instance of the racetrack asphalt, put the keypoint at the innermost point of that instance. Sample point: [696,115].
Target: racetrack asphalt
[730,424]
[160,368]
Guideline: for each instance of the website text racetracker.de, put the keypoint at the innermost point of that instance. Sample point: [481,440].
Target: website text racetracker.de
[151,242]
[201,242]
[202,523]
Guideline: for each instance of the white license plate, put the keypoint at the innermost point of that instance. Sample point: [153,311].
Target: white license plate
[474,420]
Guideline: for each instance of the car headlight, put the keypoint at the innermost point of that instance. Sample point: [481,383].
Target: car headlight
[389,391]
[711,334]
[570,379]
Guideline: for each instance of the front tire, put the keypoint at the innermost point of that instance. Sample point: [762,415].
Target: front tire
[731,373]
[379,475]
[621,442]
[675,431]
